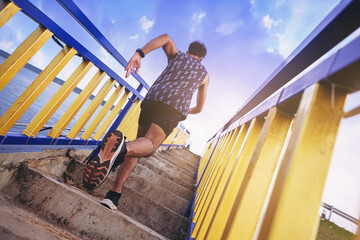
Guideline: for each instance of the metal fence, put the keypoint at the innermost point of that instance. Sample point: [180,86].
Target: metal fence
[275,152]
[120,110]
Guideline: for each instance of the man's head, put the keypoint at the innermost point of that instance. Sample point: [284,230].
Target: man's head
[197,49]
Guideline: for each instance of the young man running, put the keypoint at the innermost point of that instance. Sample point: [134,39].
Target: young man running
[166,103]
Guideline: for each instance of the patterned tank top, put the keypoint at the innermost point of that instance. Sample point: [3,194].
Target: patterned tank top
[177,83]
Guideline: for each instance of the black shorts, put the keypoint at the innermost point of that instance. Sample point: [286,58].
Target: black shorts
[161,114]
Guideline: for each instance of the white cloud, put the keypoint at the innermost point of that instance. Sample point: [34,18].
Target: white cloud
[113,21]
[39,60]
[146,24]
[199,16]
[134,36]
[6,45]
[196,22]
[269,22]
[252,3]
[228,28]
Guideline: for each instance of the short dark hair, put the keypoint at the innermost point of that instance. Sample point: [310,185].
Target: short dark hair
[197,48]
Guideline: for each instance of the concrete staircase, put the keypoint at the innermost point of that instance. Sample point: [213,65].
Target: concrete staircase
[42,198]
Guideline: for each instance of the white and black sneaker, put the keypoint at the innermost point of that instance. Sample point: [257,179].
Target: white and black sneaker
[111,200]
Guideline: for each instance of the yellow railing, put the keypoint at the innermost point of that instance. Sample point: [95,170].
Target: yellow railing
[262,176]
[122,104]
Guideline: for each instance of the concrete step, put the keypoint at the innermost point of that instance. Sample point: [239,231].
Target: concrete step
[71,209]
[136,183]
[179,162]
[133,203]
[172,174]
[18,223]
[174,163]
[187,156]
[149,175]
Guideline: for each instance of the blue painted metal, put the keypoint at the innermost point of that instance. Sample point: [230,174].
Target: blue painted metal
[37,148]
[83,20]
[340,23]
[346,61]
[33,12]
[19,139]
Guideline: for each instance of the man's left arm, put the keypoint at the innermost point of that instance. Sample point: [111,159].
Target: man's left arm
[201,96]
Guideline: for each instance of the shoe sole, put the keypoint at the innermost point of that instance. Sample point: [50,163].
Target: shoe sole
[96,171]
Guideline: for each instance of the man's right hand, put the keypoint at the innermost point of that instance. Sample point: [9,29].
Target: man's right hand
[134,63]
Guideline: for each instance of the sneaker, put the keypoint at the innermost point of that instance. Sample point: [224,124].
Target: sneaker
[111,200]
[98,168]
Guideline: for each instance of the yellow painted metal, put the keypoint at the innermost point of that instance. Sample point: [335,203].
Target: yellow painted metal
[209,172]
[59,97]
[123,126]
[171,137]
[76,105]
[111,116]
[223,161]
[294,204]
[204,191]
[133,129]
[203,226]
[245,215]
[95,103]
[203,205]
[17,60]
[132,121]
[102,113]
[7,13]
[227,200]
[204,160]
[18,108]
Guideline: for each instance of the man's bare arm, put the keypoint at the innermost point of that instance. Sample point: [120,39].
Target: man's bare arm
[201,96]
[163,41]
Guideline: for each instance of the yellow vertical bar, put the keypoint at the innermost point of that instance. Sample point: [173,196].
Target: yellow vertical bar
[95,103]
[76,105]
[211,176]
[131,121]
[203,226]
[17,60]
[59,97]
[203,207]
[7,13]
[221,164]
[302,174]
[18,108]
[206,157]
[111,116]
[133,129]
[245,215]
[169,139]
[128,118]
[102,113]
[227,200]
[209,171]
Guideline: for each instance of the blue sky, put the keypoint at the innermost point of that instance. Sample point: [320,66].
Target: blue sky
[246,41]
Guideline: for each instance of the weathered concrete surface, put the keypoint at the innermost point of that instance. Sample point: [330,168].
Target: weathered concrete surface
[163,182]
[139,206]
[75,211]
[154,197]
[173,164]
[183,156]
[18,223]
[9,162]
[172,174]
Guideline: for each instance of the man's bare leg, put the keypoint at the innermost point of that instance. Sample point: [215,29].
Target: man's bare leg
[144,145]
